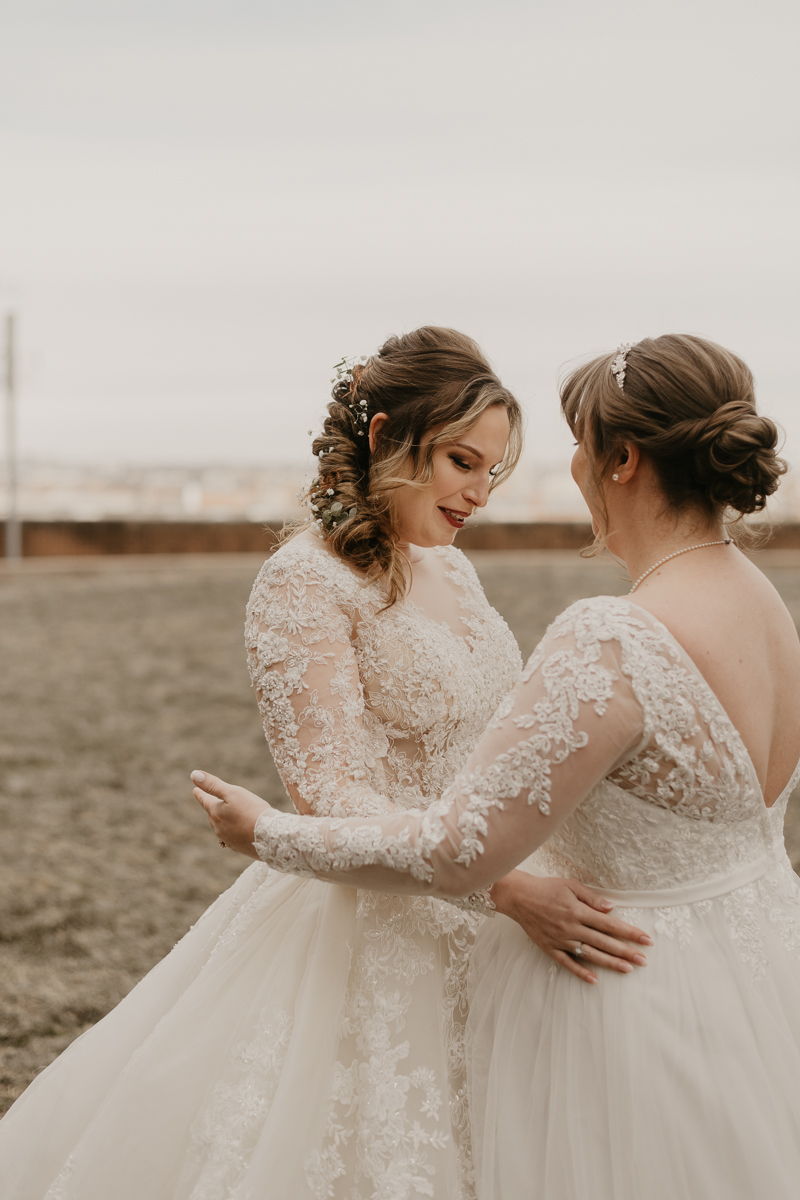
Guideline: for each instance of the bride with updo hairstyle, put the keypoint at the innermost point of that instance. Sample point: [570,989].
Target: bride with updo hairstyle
[649,750]
[302,1041]
[689,405]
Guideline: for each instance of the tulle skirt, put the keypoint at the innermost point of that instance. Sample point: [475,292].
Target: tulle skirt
[306,1040]
[679,1080]
[303,1040]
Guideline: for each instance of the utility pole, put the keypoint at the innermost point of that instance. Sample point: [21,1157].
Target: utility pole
[13,528]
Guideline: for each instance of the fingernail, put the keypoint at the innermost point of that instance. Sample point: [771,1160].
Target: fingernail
[640,960]
[607,906]
[625,968]
[645,940]
[592,978]
[197,776]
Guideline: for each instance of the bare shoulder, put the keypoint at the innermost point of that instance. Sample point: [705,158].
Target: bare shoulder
[734,626]
[731,607]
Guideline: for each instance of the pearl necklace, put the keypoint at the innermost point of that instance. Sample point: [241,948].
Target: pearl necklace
[686,549]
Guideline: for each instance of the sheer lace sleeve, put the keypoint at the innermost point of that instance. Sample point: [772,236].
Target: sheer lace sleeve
[573,718]
[301,622]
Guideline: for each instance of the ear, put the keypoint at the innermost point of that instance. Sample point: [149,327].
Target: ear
[375,426]
[627,463]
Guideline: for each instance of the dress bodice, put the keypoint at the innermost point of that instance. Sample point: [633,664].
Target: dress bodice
[620,842]
[687,805]
[365,706]
[612,759]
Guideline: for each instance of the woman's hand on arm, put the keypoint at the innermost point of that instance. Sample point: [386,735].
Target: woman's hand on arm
[232,811]
[560,914]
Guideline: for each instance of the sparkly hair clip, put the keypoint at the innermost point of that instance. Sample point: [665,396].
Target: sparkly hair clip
[344,374]
[620,364]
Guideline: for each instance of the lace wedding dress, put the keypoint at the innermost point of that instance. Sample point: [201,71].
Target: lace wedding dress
[612,762]
[301,1040]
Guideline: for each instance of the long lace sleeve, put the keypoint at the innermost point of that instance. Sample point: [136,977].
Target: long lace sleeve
[573,719]
[299,633]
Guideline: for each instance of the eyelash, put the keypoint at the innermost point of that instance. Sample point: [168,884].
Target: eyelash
[465,466]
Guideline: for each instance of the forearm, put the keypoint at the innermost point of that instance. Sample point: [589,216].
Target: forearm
[370,853]
[359,852]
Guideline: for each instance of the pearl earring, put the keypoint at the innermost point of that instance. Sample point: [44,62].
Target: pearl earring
[615,477]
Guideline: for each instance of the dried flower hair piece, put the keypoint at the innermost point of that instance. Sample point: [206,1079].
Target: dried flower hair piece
[327,512]
[333,516]
[344,369]
[620,364]
[344,374]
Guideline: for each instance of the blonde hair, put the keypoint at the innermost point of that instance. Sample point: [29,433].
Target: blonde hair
[433,384]
[689,405]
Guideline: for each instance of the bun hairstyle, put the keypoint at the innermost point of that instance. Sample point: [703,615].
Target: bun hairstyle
[689,405]
[433,384]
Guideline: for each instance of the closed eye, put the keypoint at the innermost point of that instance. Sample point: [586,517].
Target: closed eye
[465,466]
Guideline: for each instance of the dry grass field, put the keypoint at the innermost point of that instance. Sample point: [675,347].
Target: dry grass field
[118,677]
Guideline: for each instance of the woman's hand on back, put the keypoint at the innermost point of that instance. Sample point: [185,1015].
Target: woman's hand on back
[559,915]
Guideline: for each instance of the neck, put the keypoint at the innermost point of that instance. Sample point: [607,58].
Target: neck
[411,553]
[643,545]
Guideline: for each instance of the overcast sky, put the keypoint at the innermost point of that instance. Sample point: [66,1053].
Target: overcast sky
[204,205]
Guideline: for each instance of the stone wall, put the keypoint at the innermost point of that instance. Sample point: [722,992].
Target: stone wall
[40,538]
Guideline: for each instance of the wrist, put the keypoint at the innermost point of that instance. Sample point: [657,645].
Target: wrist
[501,894]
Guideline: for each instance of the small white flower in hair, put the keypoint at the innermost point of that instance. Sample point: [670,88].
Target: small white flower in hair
[344,374]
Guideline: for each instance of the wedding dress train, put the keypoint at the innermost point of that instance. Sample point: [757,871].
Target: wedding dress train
[301,1040]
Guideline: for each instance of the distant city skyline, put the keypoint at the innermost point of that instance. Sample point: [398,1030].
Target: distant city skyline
[249,492]
[205,205]
[220,491]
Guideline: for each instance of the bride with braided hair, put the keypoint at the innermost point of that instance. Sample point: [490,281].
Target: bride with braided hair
[303,1040]
[649,750]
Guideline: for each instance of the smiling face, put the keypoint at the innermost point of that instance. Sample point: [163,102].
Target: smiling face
[462,475]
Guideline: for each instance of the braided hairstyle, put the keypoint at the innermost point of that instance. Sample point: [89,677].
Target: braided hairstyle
[689,405]
[433,384]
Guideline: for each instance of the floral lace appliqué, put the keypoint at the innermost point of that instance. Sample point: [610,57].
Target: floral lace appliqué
[371,711]
[225,1133]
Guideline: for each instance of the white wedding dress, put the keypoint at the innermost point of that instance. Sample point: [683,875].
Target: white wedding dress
[612,762]
[302,1040]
